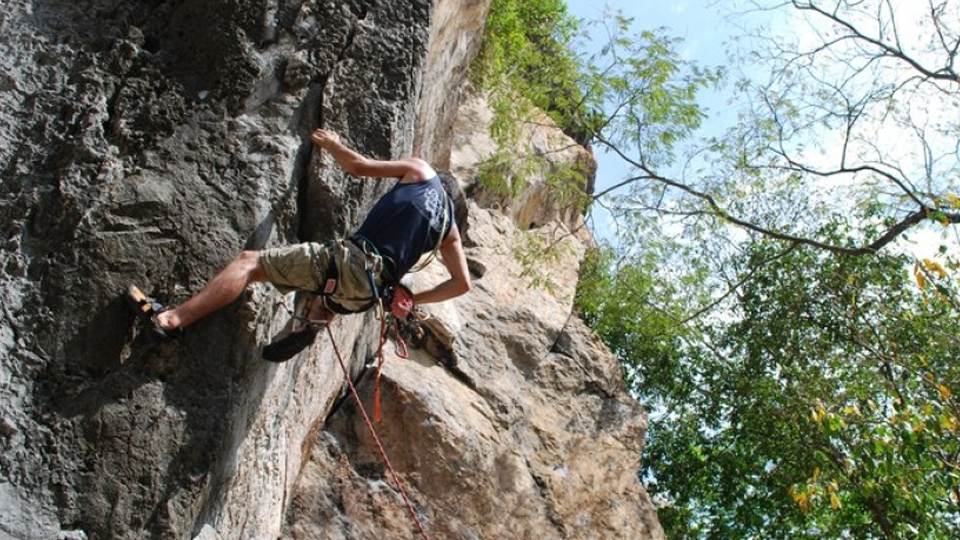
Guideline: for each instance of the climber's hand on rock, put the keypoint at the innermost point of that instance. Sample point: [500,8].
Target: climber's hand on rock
[324,138]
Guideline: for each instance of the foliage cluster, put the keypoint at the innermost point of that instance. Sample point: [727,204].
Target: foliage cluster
[527,60]
[635,91]
[800,369]
[823,407]
[527,69]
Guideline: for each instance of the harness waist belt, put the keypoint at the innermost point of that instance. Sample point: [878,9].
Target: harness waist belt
[388,273]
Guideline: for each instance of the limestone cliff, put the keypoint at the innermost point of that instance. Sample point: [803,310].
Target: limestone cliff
[148,142]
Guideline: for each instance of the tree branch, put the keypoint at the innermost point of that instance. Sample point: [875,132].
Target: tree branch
[944,74]
[923,212]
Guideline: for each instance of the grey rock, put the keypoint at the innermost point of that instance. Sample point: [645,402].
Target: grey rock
[149,142]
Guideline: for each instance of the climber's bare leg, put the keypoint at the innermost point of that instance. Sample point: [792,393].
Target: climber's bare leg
[219,292]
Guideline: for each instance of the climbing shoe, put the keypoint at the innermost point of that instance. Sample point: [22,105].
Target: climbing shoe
[287,347]
[147,310]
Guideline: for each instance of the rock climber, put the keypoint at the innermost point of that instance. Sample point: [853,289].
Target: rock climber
[419,215]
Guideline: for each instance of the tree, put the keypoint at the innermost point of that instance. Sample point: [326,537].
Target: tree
[813,394]
[860,103]
[528,63]
[822,408]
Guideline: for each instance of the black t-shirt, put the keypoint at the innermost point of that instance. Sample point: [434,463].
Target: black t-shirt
[409,221]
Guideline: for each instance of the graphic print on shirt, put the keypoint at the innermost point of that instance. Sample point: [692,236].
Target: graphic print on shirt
[434,207]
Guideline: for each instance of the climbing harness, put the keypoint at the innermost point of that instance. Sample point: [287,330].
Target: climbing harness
[394,303]
[376,438]
[374,265]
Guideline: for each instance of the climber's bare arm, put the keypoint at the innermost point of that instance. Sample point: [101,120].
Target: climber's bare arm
[407,170]
[451,252]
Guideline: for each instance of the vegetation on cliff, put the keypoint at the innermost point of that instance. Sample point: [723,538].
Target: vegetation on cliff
[799,366]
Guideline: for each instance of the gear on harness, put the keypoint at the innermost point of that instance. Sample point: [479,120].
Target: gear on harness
[396,303]
[374,266]
[406,317]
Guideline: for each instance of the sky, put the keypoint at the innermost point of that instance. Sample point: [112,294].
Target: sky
[699,24]
[704,31]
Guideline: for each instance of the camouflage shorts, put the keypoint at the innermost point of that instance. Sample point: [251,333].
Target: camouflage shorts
[304,267]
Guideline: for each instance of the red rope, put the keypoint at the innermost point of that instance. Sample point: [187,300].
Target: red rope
[376,438]
[376,384]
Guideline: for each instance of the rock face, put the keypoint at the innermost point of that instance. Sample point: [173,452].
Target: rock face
[148,142]
[528,436]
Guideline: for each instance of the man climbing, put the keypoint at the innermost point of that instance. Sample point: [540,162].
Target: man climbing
[417,216]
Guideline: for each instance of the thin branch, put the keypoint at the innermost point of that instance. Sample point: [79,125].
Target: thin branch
[945,74]
[923,213]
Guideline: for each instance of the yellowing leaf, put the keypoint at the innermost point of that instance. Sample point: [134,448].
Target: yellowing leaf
[921,279]
[818,413]
[954,200]
[935,266]
[944,392]
[802,498]
[835,501]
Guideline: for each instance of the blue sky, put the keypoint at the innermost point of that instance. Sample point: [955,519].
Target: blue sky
[705,26]
[699,24]
[704,29]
